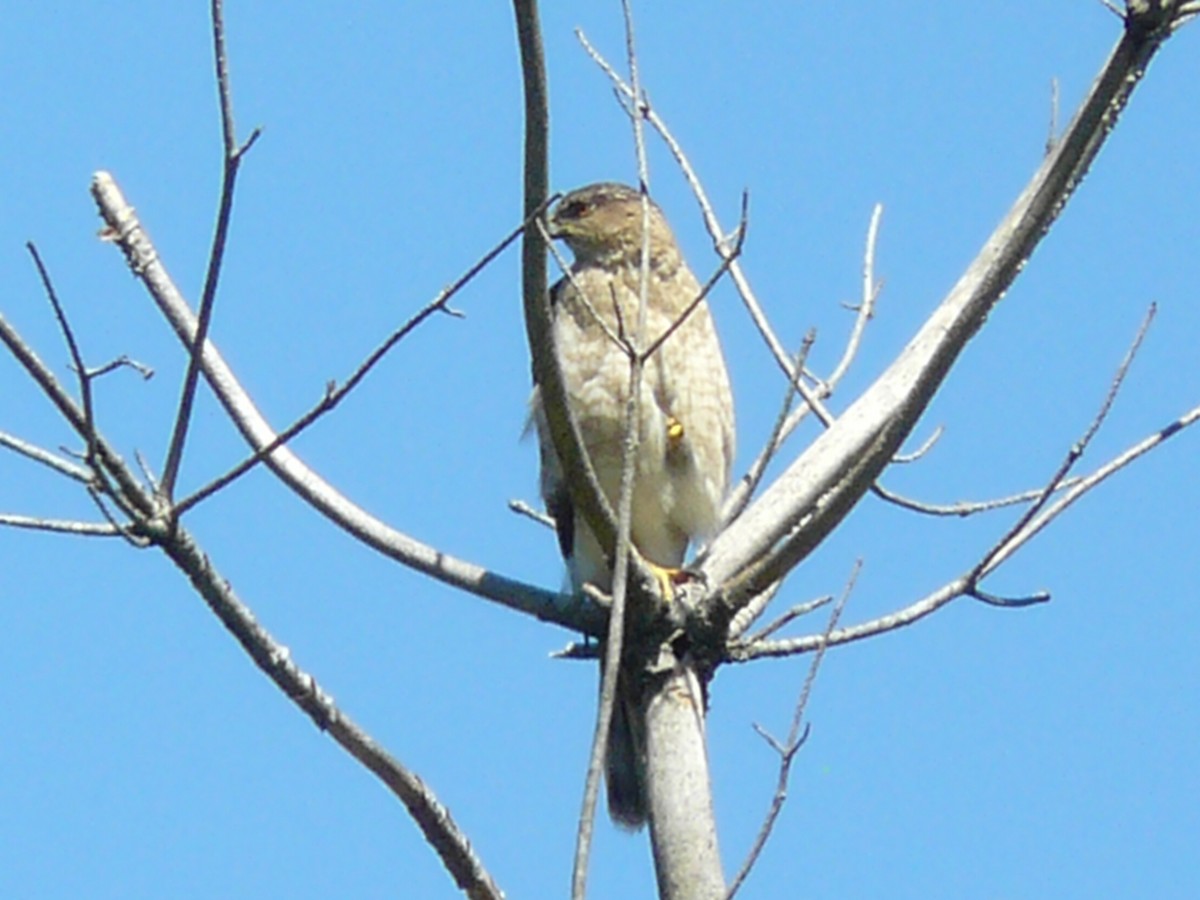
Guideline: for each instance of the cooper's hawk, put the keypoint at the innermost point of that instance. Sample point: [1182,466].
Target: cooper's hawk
[686,438]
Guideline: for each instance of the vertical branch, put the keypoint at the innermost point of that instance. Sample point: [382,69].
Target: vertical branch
[233,157]
[611,669]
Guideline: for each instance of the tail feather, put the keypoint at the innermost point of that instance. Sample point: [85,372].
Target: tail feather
[624,771]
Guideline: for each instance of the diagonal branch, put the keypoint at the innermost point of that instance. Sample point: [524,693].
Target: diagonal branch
[820,488]
[334,394]
[126,231]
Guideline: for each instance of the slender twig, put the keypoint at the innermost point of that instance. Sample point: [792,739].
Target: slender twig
[1052,130]
[741,495]
[800,609]
[750,613]
[521,508]
[569,273]
[795,740]
[989,561]
[63,526]
[122,362]
[903,459]
[334,394]
[966,507]
[85,382]
[726,262]
[233,155]
[611,668]
[46,458]
[865,308]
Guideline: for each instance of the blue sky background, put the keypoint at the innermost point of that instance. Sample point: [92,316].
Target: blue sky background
[982,753]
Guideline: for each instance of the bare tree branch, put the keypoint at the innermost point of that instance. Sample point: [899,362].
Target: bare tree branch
[1027,527]
[46,458]
[233,158]
[710,219]
[334,394]
[63,526]
[796,612]
[740,496]
[966,507]
[126,231]
[611,668]
[819,489]
[795,740]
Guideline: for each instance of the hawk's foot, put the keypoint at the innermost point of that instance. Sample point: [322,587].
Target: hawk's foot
[668,578]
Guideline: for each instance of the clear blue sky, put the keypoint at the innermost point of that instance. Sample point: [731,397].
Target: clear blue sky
[982,753]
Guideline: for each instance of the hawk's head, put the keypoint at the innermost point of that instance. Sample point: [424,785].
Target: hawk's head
[602,223]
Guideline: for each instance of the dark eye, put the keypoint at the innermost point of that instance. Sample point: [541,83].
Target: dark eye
[574,209]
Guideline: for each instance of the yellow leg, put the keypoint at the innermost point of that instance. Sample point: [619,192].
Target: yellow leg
[667,578]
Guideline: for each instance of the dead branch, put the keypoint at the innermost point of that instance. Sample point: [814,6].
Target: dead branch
[820,488]
[788,749]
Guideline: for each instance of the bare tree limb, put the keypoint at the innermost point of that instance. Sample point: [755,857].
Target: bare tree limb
[966,507]
[819,489]
[126,231]
[795,740]
[740,496]
[796,612]
[586,496]
[232,161]
[710,219]
[46,458]
[63,526]
[614,645]
[334,394]
[1027,528]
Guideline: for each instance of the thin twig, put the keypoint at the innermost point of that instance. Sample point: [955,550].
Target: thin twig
[903,459]
[611,669]
[521,508]
[569,273]
[795,740]
[800,609]
[46,458]
[1001,550]
[335,394]
[85,383]
[726,262]
[966,507]
[749,614]
[740,497]
[122,362]
[63,526]
[233,155]
[1052,130]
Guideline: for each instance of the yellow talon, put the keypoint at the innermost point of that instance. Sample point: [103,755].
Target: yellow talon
[667,579]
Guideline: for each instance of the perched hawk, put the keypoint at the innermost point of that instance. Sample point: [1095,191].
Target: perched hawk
[686,440]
